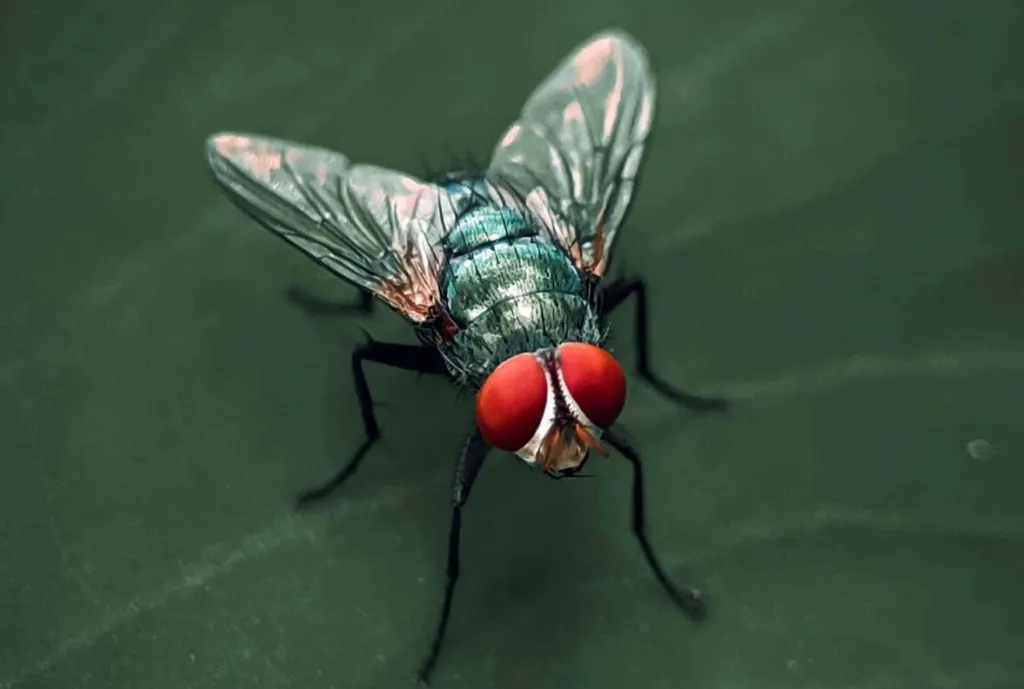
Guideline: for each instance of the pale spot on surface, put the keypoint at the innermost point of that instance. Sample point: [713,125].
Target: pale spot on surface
[981,450]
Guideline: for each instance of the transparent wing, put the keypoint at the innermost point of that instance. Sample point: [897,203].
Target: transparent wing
[378,229]
[578,143]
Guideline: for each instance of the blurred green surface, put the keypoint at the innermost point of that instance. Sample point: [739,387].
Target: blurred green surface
[830,225]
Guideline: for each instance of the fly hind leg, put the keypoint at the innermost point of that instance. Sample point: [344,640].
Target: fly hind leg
[318,306]
[416,358]
[612,296]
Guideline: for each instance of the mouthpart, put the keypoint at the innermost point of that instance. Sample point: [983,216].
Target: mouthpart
[563,449]
[569,471]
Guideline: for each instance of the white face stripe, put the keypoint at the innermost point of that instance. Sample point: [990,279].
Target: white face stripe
[528,452]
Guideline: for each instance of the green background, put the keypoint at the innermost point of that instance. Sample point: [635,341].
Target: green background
[830,226]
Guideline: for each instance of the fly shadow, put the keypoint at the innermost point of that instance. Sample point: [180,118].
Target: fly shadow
[423,359]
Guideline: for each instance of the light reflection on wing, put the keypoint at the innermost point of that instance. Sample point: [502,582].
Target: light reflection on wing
[376,228]
[578,144]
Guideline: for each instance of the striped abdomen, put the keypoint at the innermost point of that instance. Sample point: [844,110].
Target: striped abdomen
[510,289]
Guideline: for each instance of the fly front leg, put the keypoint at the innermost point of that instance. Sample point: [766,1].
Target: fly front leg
[318,306]
[470,461]
[688,599]
[612,296]
[415,358]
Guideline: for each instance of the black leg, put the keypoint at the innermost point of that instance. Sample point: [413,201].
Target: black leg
[689,601]
[612,296]
[317,306]
[408,357]
[470,461]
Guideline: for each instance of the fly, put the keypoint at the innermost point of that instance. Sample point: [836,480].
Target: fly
[500,271]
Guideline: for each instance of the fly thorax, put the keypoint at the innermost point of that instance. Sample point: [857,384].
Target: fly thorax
[524,324]
[511,290]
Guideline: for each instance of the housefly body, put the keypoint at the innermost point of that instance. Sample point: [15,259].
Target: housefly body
[500,271]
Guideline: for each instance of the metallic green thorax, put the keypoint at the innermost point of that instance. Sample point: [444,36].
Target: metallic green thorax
[510,289]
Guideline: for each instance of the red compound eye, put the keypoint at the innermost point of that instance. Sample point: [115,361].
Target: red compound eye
[510,403]
[594,379]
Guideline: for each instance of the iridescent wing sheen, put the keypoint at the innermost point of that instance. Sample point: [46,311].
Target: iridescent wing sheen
[378,229]
[578,143]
